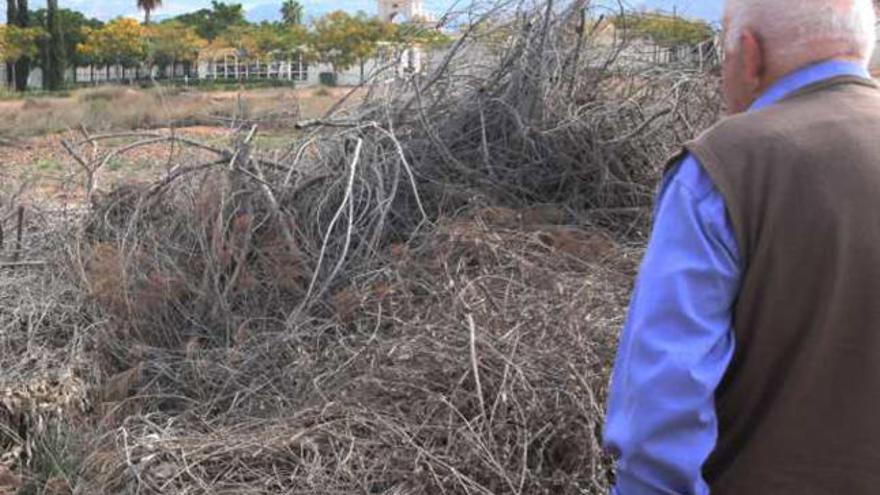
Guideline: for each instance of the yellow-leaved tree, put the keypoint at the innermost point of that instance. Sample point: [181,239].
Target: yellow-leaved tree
[280,38]
[261,43]
[17,43]
[342,39]
[121,42]
[421,33]
[173,42]
[241,38]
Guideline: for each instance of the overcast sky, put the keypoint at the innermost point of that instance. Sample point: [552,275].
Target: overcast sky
[264,9]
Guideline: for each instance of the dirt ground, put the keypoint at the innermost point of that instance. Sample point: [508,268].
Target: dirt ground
[32,132]
[316,98]
[55,178]
[114,108]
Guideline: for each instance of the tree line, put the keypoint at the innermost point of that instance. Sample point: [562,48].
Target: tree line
[55,38]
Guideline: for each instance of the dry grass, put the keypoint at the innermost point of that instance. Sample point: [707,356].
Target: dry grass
[123,108]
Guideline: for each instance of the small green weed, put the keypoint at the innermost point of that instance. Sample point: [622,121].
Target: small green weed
[116,164]
[56,456]
[48,165]
[273,141]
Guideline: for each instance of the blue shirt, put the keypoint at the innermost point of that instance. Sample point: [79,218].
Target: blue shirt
[679,340]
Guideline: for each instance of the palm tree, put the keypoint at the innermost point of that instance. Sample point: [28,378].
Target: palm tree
[292,12]
[148,6]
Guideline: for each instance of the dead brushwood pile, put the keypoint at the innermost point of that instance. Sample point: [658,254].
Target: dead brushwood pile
[422,296]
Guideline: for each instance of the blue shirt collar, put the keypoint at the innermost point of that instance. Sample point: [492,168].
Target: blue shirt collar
[808,75]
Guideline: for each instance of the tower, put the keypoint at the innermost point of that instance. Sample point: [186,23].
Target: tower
[400,10]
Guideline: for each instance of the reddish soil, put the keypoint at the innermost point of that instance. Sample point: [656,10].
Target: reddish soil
[53,175]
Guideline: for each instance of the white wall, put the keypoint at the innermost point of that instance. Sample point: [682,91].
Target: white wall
[391,63]
[35,78]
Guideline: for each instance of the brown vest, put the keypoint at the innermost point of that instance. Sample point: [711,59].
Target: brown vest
[799,408]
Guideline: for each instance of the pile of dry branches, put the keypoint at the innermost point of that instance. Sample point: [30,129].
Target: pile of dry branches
[44,353]
[473,361]
[415,298]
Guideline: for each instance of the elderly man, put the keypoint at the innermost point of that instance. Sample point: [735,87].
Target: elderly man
[750,361]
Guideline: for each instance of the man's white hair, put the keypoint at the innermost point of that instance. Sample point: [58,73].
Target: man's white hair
[791,27]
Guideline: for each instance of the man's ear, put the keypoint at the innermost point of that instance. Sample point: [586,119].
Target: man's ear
[754,62]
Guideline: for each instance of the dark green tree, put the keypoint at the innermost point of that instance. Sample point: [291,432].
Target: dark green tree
[211,23]
[11,17]
[72,25]
[55,62]
[23,66]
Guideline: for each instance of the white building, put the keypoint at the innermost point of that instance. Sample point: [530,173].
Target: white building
[401,10]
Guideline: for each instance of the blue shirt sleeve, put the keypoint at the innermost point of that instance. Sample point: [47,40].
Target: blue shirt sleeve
[677,342]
